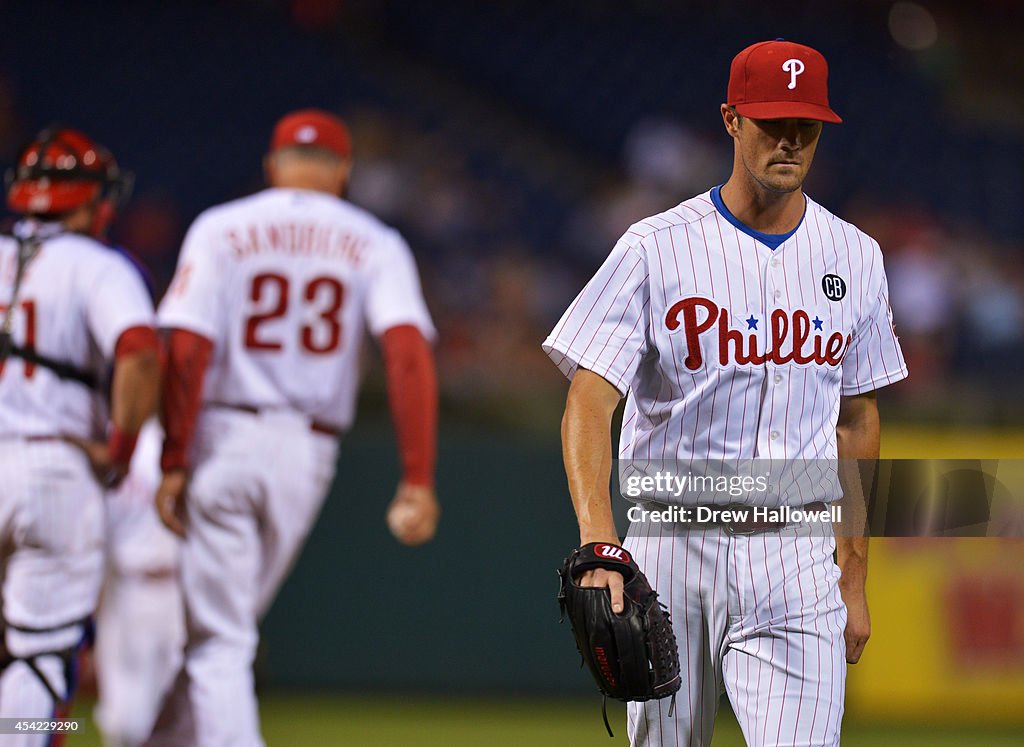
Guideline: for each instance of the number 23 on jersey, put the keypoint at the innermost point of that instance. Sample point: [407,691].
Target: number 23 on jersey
[270,295]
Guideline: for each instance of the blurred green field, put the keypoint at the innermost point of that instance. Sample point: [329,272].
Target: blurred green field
[296,720]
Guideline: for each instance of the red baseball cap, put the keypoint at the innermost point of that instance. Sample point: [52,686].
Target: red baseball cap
[780,80]
[314,128]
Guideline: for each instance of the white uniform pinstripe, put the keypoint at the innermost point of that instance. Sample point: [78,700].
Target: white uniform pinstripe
[729,349]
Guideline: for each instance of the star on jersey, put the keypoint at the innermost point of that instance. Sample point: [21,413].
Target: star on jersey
[817,323]
[752,322]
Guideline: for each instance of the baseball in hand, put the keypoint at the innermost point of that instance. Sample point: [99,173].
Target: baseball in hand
[413,514]
[401,518]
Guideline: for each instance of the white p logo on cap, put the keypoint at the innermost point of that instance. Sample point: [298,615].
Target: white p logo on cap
[305,134]
[794,67]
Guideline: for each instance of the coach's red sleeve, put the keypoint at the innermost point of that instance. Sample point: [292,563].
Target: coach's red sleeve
[188,356]
[412,393]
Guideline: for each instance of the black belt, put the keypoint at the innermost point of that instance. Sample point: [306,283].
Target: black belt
[317,426]
[752,524]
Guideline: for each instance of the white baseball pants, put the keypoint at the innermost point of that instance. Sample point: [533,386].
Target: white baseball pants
[51,530]
[257,487]
[760,616]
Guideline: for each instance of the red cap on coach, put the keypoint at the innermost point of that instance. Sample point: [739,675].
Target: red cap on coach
[314,128]
[780,80]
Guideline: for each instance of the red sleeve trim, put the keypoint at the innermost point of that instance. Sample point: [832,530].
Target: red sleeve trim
[412,393]
[121,445]
[134,340]
[188,357]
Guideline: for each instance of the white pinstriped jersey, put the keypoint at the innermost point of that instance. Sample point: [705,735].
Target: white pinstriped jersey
[727,348]
[77,298]
[284,282]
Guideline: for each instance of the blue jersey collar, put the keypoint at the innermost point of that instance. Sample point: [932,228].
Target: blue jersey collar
[772,240]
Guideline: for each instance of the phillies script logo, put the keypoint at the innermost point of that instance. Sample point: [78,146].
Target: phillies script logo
[611,552]
[787,330]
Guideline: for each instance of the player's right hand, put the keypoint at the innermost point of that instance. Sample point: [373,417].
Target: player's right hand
[605,579]
[601,578]
[170,500]
[108,472]
[413,514]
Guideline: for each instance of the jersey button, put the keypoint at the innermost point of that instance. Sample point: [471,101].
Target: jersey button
[775,435]
[778,378]
[778,294]
[775,263]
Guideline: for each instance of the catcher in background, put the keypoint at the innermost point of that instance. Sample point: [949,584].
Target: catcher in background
[745,323]
[266,314]
[72,307]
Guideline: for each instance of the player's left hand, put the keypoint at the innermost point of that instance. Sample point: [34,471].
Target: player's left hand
[858,620]
[413,514]
[170,500]
[108,472]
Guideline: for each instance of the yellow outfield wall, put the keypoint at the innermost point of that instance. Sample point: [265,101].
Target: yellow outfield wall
[947,643]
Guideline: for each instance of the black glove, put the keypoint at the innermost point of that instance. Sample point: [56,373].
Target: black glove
[632,655]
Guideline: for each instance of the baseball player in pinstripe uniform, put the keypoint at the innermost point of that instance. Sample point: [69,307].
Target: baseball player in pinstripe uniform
[266,319]
[71,308]
[745,323]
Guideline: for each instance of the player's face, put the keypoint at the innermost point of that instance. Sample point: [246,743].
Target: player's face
[83,219]
[777,153]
